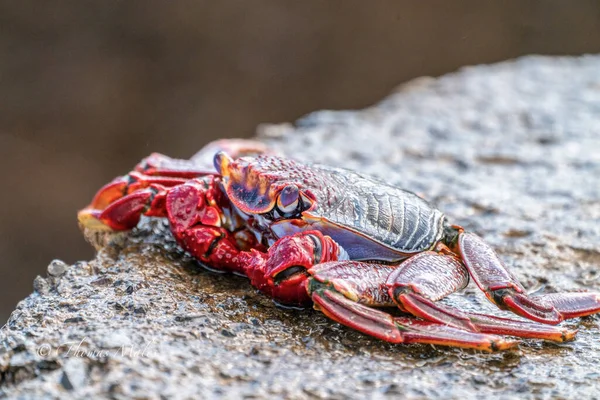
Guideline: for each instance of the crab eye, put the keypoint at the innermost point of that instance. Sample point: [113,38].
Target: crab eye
[307,202]
[287,201]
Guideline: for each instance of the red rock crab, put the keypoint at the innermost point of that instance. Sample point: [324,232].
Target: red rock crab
[349,244]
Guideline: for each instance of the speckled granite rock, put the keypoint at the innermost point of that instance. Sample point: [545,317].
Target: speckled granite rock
[511,151]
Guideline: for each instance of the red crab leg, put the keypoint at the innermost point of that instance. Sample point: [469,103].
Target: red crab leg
[157,164]
[415,285]
[235,148]
[502,289]
[383,326]
[345,290]
[573,305]
[201,163]
[124,185]
[124,213]
[429,276]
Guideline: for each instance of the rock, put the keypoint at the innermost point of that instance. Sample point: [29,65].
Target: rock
[116,339]
[74,374]
[509,151]
[41,285]
[57,268]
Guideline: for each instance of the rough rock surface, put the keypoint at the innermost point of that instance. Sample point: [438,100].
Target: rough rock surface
[510,151]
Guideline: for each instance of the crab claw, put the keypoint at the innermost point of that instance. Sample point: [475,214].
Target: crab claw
[120,215]
[89,217]
[109,193]
[283,272]
[119,204]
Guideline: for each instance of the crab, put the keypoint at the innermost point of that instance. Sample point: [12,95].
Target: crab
[368,255]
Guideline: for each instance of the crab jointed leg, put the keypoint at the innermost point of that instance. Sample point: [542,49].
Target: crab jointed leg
[201,164]
[416,297]
[346,291]
[427,277]
[384,326]
[335,293]
[286,273]
[502,289]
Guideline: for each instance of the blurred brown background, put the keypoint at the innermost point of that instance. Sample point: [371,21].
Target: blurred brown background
[89,88]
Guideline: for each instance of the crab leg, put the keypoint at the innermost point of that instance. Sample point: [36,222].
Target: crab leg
[573,305]
[415,285]
[383,326]
[157,164]
[427,277]
[201,163]
[345,290]
[502,289]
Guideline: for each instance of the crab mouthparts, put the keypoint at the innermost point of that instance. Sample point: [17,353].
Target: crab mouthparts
[290,275]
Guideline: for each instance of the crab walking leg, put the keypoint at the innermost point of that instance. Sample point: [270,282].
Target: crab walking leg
[287,273]
[427,277]
[157,164]
[502,289]
[201,163]
[415,285]
[383,326]
[346,291]
[573,305]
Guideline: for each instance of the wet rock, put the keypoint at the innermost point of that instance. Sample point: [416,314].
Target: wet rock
[41,285]
[507,150]
[57,268]
[227,333]
[74,320]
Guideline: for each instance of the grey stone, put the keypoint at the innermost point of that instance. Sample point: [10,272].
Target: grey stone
[74,373]
[510,151]
[41,285]
[57,268]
